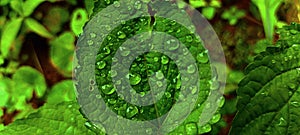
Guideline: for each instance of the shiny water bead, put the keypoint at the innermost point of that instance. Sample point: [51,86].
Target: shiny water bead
[131,111]
[189,38]
[93,35]
[106,50]
[191,69]
[90,42]
[164,60]
[137,5]
[202,58]
[191,128]
[108,89]
[159,75]
[101,64]
[121,35]
[135,79]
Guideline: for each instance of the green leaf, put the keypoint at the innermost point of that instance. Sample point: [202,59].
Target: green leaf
[28,80]
[30,5]
[4,2]
[16,5]
[63,118]
[9,33]
[89,6]
[61,52]
[198,3]
[62,91]
[268,96]
[79,18]
[209,12]
[267,9]
[38,28]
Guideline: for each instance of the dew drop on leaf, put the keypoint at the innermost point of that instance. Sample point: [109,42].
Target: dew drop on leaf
[159,75]
[189,38]
[164,60]
[137,5]
[135,79]
[108,89]
[117,4]
[106,50]
[121,35]
[206,128]
[191,69]
[131,111]
[191,129]
[295,104]
[202,58]
[90,42]
[93,35]
[101,64]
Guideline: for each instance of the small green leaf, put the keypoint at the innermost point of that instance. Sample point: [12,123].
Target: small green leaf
[16,5]
[79,18]
[209,12]
[4,2]
[9,33]
[38,28]
[63,118]
[63,91]
[61,52]
[29,80]
[30,5]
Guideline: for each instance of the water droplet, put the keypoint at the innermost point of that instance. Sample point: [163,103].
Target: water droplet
[113,73]
[172,45]
[111,101]
[202,58]
[121,35]
[90,42]
[91,88]
[107,27]
[189,38]
[159,75]
[92,82]
[159,83]
[124,51]
[168,94]
[70,106]
[131,111]
[101,64]
[193,89]
[108,89]
[107,1]
[164,60]
[191,129]
[215,118]
[191,69]
[98,96]
[282,122]
[273,61]
[156,59]
[93,35]
[295,104]
[149,131]
[137,5]
[106,50]
[117,4]
[206,128]
[135,79]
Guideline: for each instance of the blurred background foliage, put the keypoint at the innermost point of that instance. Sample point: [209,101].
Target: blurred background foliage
[38,37]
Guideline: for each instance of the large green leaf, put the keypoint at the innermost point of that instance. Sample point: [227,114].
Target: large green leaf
[9,33]
[268,96]
[63,118]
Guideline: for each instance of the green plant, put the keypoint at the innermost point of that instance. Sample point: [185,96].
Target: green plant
[209,9]
[267,9]
[233,15]
[269,103]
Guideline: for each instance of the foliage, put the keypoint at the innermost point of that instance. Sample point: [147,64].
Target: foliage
[233,15]
[268,103]
[209,9]
[267,9]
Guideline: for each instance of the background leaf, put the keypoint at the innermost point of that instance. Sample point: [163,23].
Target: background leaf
[62,91]
[9,33]
[30,5]
[38,28]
